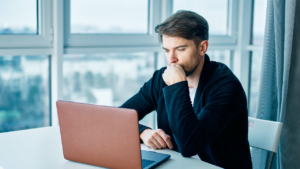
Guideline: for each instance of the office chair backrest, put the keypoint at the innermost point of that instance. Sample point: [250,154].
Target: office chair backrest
[264,134]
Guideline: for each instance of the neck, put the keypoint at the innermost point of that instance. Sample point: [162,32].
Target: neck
[193,79]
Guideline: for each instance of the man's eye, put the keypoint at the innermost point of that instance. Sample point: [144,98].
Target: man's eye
[180,49]
[166,51]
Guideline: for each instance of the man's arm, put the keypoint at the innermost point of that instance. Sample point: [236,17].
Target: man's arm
[144,102]
[194,132]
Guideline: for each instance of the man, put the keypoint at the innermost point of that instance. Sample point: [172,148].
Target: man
[201,105]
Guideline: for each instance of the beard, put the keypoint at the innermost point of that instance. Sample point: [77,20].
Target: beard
[190,69]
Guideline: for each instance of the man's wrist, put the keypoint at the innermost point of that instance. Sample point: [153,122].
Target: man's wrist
[143,132]
[177,81]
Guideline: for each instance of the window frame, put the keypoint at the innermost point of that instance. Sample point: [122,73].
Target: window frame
[108,40]
[55,40]
[232,37]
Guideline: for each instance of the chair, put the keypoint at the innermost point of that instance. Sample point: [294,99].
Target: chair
[264,134]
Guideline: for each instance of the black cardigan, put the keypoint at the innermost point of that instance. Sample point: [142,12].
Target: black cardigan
[216,128]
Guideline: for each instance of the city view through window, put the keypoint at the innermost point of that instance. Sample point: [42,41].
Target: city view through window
[24,92]
[102,79]
[106,79]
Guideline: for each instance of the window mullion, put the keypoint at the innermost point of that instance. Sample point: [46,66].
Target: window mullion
[244,35]
[57,58]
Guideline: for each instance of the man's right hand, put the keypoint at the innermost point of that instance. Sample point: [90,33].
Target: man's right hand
[156,139]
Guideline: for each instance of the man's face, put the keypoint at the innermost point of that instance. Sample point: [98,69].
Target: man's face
[182,52]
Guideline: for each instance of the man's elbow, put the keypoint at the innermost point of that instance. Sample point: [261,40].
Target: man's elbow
[189,149]
[188,152]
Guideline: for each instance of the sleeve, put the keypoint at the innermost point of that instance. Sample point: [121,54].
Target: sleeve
[144,101]
[194,132]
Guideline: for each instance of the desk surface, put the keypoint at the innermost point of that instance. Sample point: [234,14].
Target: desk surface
[41,149]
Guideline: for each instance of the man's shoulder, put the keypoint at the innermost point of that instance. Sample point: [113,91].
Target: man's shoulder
[223,82]
[157,75]
[221,72]
[161,70]
[222,77]
[156,82]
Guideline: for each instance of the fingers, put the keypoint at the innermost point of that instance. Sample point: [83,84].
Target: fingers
[160,140]
[166,138]
[165,79]
[168,141]
[152,145]
[157,144]
[156,139]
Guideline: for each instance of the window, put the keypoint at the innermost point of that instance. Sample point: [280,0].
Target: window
[25,41]
[223,56]
[106,79]
[25,24]
[255,82]
[109,17]
[100,23]
[259,18]
[107,51]
[215,12]
[24,92]
[18,17]
[221,15]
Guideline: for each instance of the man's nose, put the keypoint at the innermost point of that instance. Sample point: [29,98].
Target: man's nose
[172,58]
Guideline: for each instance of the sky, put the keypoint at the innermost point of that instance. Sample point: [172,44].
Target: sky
[18,14]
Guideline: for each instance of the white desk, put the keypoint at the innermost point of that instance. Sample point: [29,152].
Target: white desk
[41,149]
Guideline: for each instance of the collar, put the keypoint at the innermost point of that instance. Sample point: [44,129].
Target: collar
[205,74]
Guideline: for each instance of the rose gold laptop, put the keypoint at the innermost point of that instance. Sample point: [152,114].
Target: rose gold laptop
[103,136]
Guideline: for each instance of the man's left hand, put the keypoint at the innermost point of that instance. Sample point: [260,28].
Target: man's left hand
[173,74]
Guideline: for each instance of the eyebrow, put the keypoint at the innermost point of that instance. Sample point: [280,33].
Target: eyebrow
[176,47]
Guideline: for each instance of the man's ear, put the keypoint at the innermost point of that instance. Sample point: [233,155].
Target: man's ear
[202,47]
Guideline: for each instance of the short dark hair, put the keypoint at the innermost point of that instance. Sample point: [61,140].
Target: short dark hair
[185,24]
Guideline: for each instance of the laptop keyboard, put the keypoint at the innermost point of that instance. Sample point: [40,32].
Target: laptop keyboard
[145,162]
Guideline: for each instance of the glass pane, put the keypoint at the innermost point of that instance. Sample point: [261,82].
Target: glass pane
[107,79]
[109,17]
[259,19]
[215,12]
[24,92]
[18,17]
[255,82]
[223,56]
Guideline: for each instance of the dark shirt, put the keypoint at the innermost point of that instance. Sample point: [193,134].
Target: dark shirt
[216,128]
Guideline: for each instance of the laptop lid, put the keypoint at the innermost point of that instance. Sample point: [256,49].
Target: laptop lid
[99,135]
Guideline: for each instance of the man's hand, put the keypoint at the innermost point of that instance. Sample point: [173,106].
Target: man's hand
[173,74]
[156,139]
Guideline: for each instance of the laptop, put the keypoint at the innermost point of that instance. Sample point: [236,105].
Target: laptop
[103,136]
